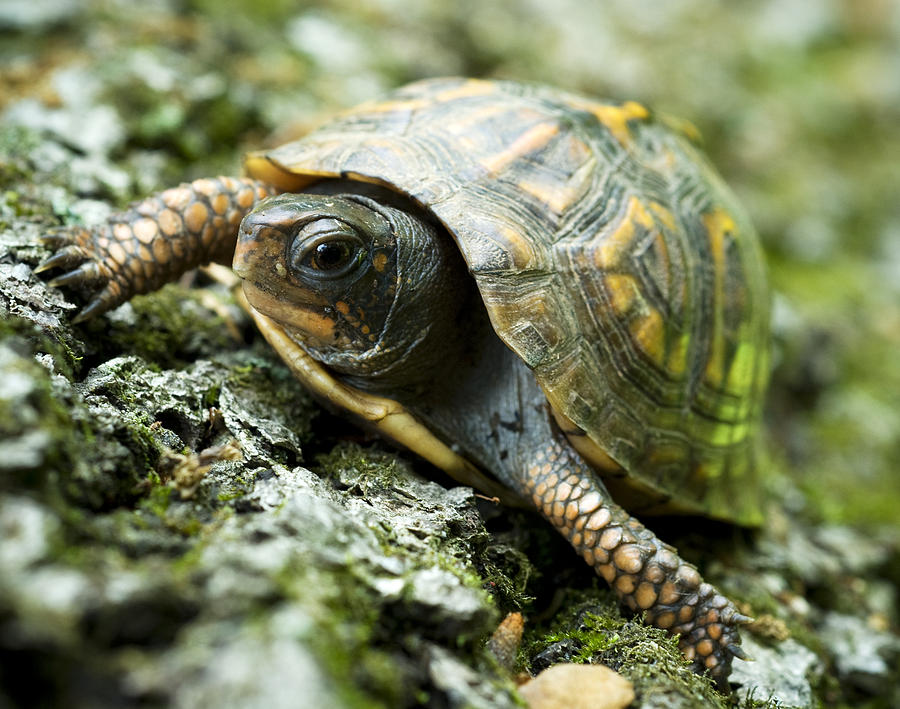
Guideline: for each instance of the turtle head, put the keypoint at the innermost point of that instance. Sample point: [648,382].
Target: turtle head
[363,287]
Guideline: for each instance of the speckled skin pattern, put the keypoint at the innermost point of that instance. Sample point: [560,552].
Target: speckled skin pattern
[646,573]
[156,240]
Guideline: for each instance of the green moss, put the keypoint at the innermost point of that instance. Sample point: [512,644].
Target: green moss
[157,498]
[505,572]
[92,459]
[65,353]
[16,143]
[39,437]
[265,380]
[173,328]
[373,473]
[211,396]
[346,614]
[590,628]
[370,469]
[344,648]
[593,634]
[236,494]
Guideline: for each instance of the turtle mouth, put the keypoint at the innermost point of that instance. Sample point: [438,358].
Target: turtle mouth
[309,318]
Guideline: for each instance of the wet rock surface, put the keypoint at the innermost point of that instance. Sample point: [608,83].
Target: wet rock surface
[321,564]
[785,673]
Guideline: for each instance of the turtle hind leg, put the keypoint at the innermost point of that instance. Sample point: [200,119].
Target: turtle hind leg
[646,573]
[154,241]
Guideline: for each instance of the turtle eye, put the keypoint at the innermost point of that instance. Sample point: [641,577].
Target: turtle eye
[326,248]
[331,255]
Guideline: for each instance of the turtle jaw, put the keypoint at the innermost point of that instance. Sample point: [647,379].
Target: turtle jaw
[311,322]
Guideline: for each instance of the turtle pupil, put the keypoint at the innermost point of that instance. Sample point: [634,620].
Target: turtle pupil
[331,255]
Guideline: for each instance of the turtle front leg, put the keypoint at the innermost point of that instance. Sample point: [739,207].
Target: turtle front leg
[154,241]
[646,573]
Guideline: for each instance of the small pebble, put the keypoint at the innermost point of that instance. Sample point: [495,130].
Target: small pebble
[569,686]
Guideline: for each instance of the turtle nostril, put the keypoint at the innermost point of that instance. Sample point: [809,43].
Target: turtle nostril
[245,249]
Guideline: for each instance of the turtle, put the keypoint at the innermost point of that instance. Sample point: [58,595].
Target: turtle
[552,298]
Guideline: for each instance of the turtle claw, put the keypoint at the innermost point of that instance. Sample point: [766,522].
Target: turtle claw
[739,652]
[736,618]
[86,257]
[66,256]
[60,236]
[81,275]
[47,264]
[76,250]
[95,307]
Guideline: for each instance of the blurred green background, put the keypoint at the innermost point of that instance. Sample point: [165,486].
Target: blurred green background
[798,102]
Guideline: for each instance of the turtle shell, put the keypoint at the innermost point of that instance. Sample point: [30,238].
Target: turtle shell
[610,257]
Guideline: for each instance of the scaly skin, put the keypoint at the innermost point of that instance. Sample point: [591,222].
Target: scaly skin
[160,238]
[155,241]
[646,573]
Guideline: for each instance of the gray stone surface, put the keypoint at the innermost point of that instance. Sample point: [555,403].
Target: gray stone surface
[862,654]
[785,673]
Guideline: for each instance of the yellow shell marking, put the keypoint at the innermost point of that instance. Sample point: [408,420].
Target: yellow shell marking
[607,256]
[718,224]
[616,118]
[622,291]
[520,252]
[676,362]
[742,371]
[663,215]
[648,331]
[558,196]
[471,87]
[530,141]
